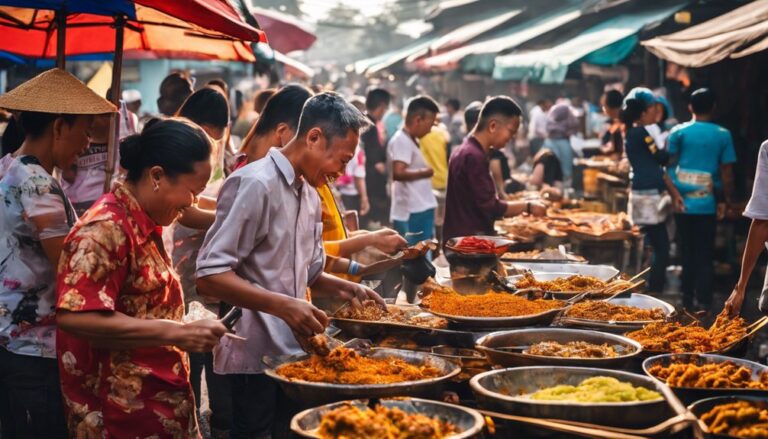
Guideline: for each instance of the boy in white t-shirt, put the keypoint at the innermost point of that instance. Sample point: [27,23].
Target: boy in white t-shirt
[413,203]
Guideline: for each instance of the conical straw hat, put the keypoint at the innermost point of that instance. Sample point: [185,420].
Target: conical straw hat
[55,91]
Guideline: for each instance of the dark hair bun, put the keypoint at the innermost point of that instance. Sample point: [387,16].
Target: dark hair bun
[173,144]
[130,152]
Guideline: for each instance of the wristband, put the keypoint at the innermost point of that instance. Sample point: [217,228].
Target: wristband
[354,267]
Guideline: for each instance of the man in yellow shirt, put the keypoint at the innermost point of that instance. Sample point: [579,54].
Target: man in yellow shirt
[434,147]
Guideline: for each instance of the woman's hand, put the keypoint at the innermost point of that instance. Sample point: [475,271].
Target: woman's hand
[200,336]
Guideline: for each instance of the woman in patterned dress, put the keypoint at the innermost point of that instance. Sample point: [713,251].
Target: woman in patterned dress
[121,344]
[55,111]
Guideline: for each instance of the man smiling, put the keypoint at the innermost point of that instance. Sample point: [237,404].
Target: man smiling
[265,248]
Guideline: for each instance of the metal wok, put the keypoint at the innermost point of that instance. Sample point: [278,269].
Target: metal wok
[625,347]
[319,393]
[469,423]
[503,390]
[689,395]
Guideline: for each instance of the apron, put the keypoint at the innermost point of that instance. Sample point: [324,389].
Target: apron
[648,207]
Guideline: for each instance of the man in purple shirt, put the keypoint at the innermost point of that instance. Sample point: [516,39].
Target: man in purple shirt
[471,204]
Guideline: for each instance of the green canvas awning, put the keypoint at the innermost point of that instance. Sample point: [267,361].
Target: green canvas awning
[380,62]
[479,57]
[425,45]
[604,44]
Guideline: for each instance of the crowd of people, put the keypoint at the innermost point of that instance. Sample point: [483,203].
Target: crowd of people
[95,285]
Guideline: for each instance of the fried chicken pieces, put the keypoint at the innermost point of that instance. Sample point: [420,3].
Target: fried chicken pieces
[738,419]
[605,311]
[351,422]
[726,375]
[676,338]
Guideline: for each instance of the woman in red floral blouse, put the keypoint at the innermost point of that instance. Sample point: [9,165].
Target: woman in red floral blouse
[121,344]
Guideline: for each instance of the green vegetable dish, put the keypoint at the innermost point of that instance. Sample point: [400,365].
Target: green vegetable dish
[596,390]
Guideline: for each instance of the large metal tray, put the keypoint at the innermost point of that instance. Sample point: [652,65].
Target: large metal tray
[500,390]
[307,392]
[602,272]
[643,301]
[689,395]
[701,407]
[469,423]
[544,318]
[627,349]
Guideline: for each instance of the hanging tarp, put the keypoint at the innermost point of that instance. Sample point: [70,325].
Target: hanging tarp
[738,33]
[614,38]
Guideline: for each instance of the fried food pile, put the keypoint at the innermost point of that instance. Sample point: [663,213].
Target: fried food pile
[445,300]
[738,419]
[351,422]
[559,223]
[597,389]
[371,311]
[726,375]
[576,282]
[347,366]
[605,311]
[676,338]
[572,349]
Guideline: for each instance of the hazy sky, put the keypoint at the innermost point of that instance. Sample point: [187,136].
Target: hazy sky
[317,9]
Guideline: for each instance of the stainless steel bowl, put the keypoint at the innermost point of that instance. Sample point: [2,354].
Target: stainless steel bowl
[502,390]
[690,394]
[549,270]
[319,393]
[642,301]
[701,407]
[469,423]
[625,347]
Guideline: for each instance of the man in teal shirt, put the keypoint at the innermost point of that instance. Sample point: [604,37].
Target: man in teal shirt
[703,157]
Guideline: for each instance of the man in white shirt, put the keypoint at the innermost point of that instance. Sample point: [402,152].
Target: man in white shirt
[537,125]
[413,203]
[757,240]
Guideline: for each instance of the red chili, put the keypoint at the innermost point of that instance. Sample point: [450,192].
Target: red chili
[473,243]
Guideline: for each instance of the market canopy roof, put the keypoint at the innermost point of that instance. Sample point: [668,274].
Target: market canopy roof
[736,34]
[465,33]
[431,43]
[479,56]
[604,44]
[286,32]
[215,15]
[32,33]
